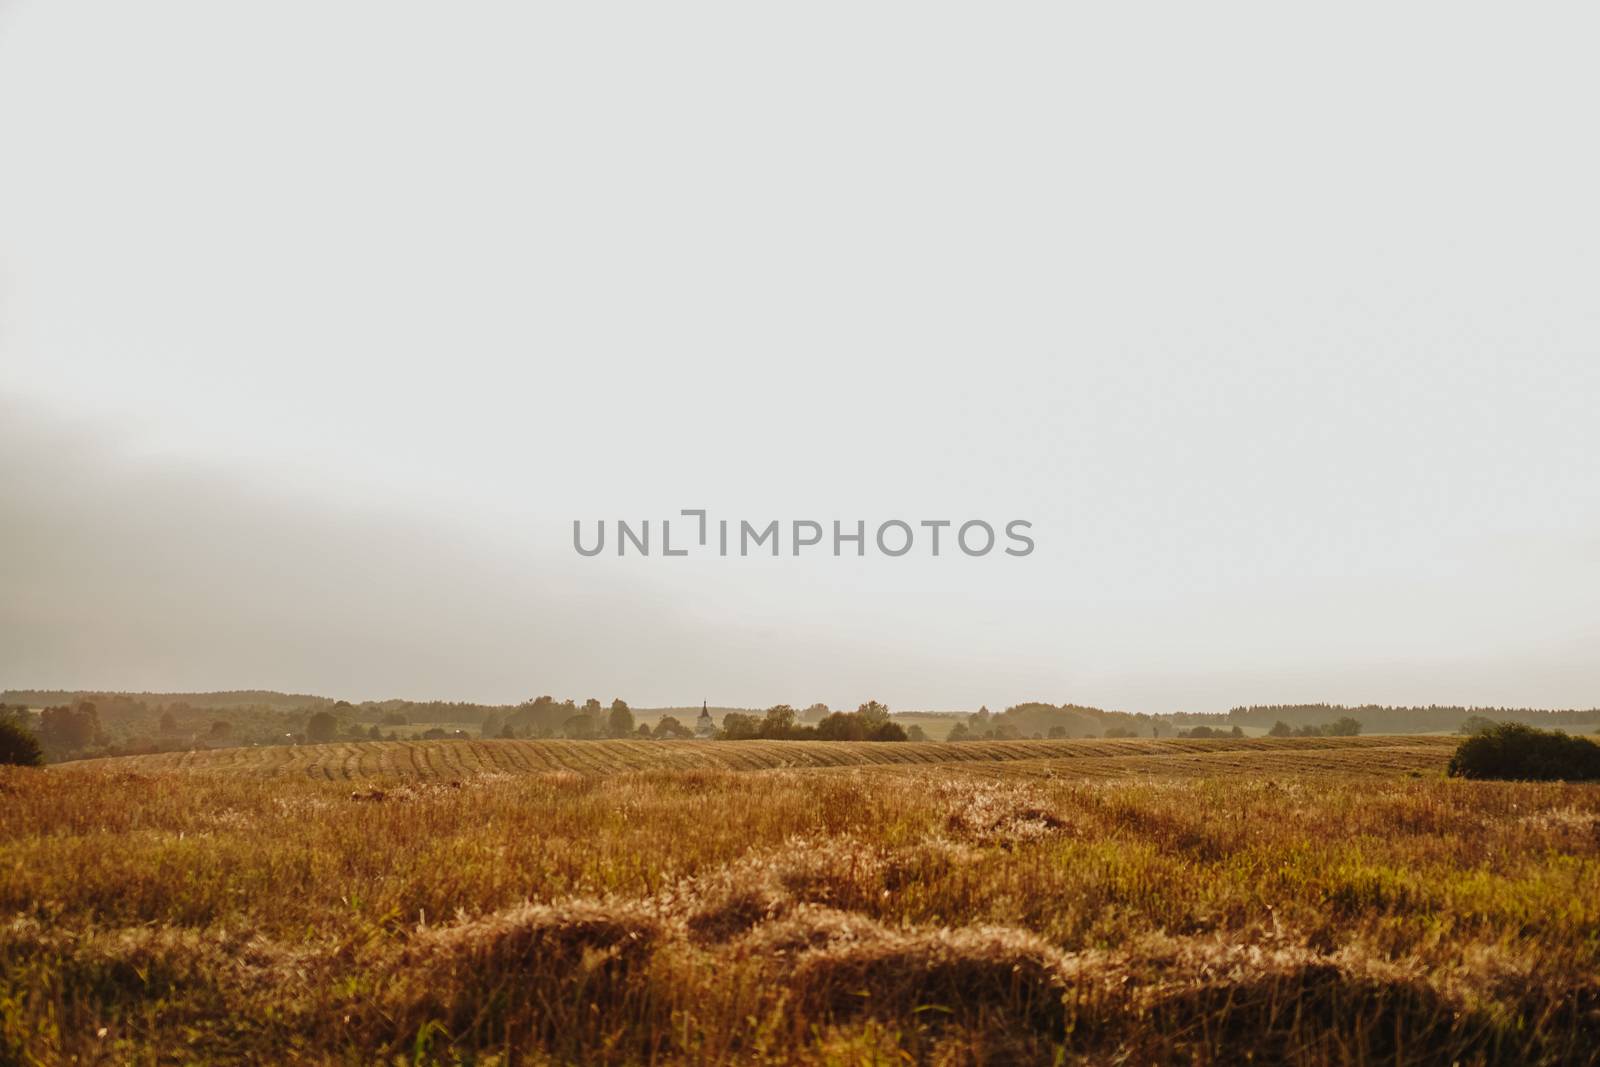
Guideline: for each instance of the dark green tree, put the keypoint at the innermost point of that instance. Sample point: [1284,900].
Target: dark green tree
[322,726]
[669,726]
[18,746]
[737,726]
[842,726]
[581,727]
[67,729]
[621,719]
[873,714]
[779,722]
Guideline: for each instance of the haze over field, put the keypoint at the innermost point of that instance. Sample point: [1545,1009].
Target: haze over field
[320,324]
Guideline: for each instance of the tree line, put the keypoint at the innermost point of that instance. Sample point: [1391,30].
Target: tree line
[1394,719]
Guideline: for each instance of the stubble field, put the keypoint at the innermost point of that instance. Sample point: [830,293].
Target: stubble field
[414,760]
[1303,901]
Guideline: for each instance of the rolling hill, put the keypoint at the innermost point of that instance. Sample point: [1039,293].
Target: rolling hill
[1082,758]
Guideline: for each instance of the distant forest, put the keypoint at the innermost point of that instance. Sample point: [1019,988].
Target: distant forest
[234,698]
[1384,719]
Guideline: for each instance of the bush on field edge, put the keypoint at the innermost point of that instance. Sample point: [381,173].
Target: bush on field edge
[1514,751]
[18,746]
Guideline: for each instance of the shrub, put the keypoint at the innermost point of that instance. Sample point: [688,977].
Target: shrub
[1208,731]
[1512,750]
[860,726]
[738,726]
[1119,731]
[1281,729]
[18,746]
[581,727]
[669,726]
[1344,727]
[842,726]
[888,731]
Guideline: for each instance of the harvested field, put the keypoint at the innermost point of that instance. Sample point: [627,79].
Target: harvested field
[1087,758]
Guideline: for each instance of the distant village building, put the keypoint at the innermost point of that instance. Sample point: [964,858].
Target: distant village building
[703,726]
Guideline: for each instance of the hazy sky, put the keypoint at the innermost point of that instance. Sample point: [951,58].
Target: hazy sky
[321,322]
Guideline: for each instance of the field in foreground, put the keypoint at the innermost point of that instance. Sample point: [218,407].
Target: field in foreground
[1372,912]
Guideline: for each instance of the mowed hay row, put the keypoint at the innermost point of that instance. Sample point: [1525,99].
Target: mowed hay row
[343,761]
[1401,758]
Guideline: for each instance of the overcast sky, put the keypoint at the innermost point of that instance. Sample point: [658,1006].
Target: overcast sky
[321,322]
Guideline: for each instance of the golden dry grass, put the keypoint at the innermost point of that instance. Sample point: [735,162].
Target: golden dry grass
[942,913]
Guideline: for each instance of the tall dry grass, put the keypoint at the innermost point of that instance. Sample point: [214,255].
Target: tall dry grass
[844,916]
